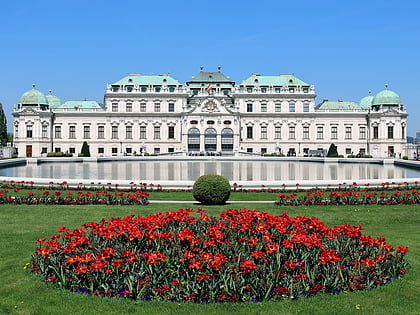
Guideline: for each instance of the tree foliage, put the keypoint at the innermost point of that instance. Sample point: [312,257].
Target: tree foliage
[3,126]
[85,150]
[332,151]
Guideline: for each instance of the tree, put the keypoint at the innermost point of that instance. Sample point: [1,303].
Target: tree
[85,150]
[3,126]
[332,151]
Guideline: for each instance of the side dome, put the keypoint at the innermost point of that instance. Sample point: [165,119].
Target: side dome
[367,101]
[386,97]
[33,97]
[53,100]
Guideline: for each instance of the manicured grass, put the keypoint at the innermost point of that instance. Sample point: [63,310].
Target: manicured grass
[22,292]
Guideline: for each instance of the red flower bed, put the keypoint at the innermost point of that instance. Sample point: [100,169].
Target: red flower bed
[243,255]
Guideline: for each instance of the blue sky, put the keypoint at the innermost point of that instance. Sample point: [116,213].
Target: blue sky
[344,48]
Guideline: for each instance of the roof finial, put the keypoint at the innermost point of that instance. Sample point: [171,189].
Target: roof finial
[219,68]
[33,85]
[50,91]
[369,92]
[386,86]
[201,68]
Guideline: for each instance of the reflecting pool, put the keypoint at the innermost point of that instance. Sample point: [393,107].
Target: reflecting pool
[190,170]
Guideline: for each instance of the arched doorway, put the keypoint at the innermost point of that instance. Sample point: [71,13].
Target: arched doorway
[193,139]
[227,139]
[210,140]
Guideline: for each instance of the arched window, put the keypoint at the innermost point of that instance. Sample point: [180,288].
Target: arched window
[210,140]
[227,139]
[193,139]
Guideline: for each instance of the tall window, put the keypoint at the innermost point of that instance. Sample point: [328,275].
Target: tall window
[86,132]
[44,131]
[277,132]
[402,132]
[17,131]
[390,132]
[114,132]
[157,107]
[72,132]
[348,132]
[249,132]
[57,133]
[142,106]
[249,108]
[334,132]
[263,132]
[292,132]
[227,139]
[171,132]
[129,107]
[263,107]
[142,132]
[375,132]
[362,133]
[156,132]
[277,107]
[101,132]
[292,107]
[305,107]
[171,107]
[194,139]
[29,131]
[129,132]
[320,132]
[115,107]
[305,132]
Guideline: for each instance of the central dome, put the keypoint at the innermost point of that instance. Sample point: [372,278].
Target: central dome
[386,97]
[33,97]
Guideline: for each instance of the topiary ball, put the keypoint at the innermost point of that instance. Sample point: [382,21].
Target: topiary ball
[211,189]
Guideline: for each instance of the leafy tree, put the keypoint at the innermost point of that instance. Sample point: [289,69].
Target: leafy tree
[3,126]
[85,150]
[332,151]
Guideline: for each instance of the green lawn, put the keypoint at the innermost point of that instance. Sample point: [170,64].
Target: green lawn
[21,292]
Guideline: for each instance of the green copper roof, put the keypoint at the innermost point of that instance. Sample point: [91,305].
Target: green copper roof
[366,102]
[386,97]
[138,79]
[339,105]
[53,100]
[33,97]
[80,104]
[281,80]
[207,77]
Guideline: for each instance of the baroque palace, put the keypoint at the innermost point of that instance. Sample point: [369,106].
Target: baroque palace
[210,115]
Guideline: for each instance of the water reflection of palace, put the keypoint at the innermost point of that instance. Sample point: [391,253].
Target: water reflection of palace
[191,170]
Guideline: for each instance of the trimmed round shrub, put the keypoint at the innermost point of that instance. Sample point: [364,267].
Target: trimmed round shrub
[211,189]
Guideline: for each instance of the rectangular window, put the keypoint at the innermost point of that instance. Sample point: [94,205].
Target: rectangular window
[72,150]
[390,132]
[157,107]
[86,132]
[375,132]
[348,151]
[142,132]
[277,132]
[362,133]
[129,107]
[128,150]
[44,150]
[129,132]
[101,132]
[249,108]
[156,150]
[292,107]
[156,132]
[114,151]
[115,107]
[249,132]
[263,132]
[114,132]
[348,133]
[44,131]
[16,131]
[101,150]
[334,132]
[277,90]
[305,107]
[249,150]
[57,133]
[143,107]
[320,132]
[305,132]
[29,131]
[171,150]
[292,132]
[57,149]
[171,132]
[277,107]
[72,132]
[171,107]
[263,107]
[402,132]
[263,90]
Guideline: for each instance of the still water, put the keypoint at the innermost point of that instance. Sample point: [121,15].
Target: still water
[190,170]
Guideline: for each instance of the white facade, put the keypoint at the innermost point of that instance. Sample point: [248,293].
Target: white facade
[210,115]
